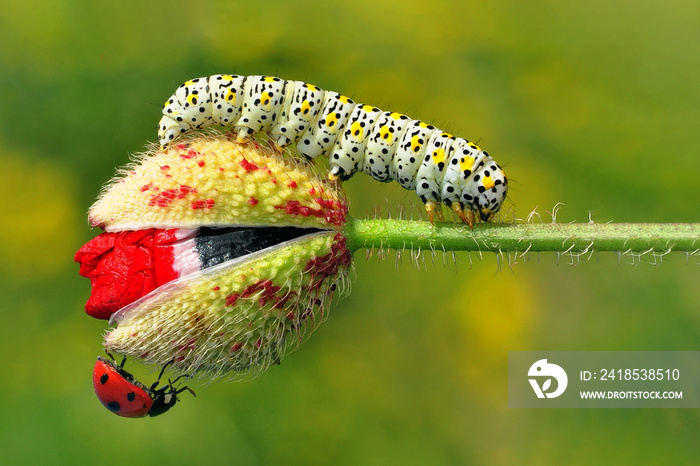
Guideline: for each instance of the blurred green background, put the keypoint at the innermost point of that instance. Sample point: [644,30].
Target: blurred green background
[595,104]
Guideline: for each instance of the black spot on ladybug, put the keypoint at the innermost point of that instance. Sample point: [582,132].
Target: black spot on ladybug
[131,396]
[114,406]
[104,378]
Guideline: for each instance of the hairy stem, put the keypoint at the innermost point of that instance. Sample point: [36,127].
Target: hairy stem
[573,237]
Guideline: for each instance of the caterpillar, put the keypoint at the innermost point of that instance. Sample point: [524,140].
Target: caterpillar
[356,137]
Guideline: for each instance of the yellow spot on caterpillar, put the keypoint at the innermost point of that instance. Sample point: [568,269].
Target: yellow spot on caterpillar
[439,156]
[189,83]
[423,124]
[269,79]
[265,98]
[311,87]
[343,99]
[415,143]
[396,116]
[192,99]
[356,130]
[488,182]
[466,163]
[369,108]
[305,107]
[385,134]
[230,96]
[331,121]
[227,77]
[446,135]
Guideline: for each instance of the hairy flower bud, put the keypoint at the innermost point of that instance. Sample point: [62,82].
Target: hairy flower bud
[217,256]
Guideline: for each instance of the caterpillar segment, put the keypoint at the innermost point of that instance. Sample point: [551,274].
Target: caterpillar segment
[382,143]
[300,109]
[348,154]
[262,103]
[439,167]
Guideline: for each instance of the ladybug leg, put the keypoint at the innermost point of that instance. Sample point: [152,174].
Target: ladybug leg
[160,376]
[170,382]
[111,356]
[178,391]
[188,389]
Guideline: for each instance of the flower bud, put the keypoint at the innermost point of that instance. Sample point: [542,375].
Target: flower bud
[217,256]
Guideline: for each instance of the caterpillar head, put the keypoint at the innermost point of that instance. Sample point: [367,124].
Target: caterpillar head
[485,191]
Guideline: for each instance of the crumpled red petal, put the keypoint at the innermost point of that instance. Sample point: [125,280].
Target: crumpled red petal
[124,266]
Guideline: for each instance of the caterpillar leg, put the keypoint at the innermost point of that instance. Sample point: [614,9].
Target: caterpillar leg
[432,208]
[338,173]
[439,213]
[467,217]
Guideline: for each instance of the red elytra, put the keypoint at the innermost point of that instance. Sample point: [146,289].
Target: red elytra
[125,396]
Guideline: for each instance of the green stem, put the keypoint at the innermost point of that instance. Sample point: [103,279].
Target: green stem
[499,237]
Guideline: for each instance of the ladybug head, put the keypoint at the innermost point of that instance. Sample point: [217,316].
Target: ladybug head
[165,398]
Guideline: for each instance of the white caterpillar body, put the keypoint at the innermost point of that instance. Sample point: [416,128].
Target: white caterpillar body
[356,137]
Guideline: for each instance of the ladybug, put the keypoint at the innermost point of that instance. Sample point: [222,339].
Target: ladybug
[125,396]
